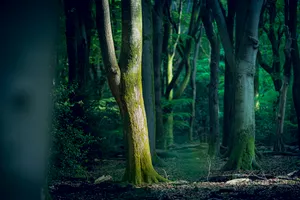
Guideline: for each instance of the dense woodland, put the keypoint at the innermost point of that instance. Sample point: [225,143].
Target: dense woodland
[156,99]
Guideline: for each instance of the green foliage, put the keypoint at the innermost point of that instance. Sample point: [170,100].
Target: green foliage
[106,123]
[70,144]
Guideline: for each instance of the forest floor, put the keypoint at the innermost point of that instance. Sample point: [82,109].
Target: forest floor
[193,176]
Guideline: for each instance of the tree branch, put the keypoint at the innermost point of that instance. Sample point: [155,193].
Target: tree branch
[222,27]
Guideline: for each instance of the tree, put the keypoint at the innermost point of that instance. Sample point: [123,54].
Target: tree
[147,74]
[157,60]
[25,83]
[169,50]
[194,86]
[229,83]
[242,63]
[213,99]
[125,82]
[292,10]
[280,84]
[78,39]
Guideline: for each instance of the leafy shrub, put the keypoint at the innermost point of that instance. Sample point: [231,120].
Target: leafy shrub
[70,145]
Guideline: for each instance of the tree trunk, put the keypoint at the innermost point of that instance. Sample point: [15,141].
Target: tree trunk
[147,72]
[126,85]
[292,6]
[242,154]
[214,143]
[228,85]
[243,151]
[194,87]
[279,144]
[168,69]
[157,52]
[185,51]
[25,86]
[169,137]
[78,37]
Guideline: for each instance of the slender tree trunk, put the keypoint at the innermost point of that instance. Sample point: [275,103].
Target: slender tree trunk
[157,52]
[25,86]
[214,143]
[78,37]
[126,85]
[168,69]
[147,73]
[256,87]
[194,87]
[184,52]
[279,144]
[169,137]
[293,7]
[169,48]
[228,85]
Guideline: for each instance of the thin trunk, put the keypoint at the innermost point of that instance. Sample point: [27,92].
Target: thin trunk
[256,81]
[168,74]
[71,38]
[279,144]
[293,7]
[214,143]
[194,87]
[78,37]
[126,85]
[147,73]
[25,87]
[157,52]
[185,51]
[228,85]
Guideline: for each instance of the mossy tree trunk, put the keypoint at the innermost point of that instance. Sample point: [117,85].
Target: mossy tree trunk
[126,84]
[214,140]
[25,87]
[242,155]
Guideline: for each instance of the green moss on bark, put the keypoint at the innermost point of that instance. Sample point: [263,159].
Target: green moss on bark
[242,156]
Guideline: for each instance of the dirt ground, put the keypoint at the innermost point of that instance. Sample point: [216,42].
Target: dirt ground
[193,176]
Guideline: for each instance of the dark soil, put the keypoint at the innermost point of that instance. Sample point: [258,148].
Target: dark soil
[194,176]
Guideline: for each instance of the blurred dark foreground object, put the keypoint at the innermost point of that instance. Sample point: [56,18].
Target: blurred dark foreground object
[27,36]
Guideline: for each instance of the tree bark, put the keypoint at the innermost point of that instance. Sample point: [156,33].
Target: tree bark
[242,155]
[25,103]
[185,51]
[214,143]
[194,86]
[147,72]
[126,85]
[279,144]
[78,38]
[228,85]
[292,6]
[157,61]
[169,50]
